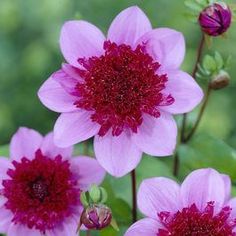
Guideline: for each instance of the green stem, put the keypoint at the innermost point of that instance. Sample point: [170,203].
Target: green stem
[86,147]
[88,233]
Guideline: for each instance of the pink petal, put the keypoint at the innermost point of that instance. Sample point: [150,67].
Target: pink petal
[89,171]
[51,150]
[5,164]
[166,46]
[227,182]
[144,227]
[73,72]
[71,128]
[21,230]
[202,186]
[5,219]
[158,194]
[232,204]
[129,26]
[24,143]
[157,136]
[184,90]
[3,200]
[80,39]
[54,96]
[69,229]
[117,155]
[67,82]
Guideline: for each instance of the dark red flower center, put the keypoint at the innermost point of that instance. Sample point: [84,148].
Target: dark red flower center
[41,192]
[120,86]
[193,222]
[39,189]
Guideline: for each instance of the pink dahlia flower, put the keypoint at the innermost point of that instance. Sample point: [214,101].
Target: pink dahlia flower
[40,186]
[122,89]
[200,206]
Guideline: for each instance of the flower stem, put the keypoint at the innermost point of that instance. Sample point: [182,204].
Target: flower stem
[193,130]
[88,233]
[185,116]
[134,198]
[199,55]
[176,164]
[86,147]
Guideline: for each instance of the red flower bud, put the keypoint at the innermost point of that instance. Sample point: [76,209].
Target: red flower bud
[215,19]
[96,216]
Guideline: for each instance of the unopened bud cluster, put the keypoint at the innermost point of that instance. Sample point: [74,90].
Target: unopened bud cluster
[96,214]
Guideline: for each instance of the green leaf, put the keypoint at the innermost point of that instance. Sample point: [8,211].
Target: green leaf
[191,17]
[227,62]
[202,2]
[209,63]
[109,231]
[84,148]
[121,210]
[219,61]
[114,224]
[206,151]
[193,5]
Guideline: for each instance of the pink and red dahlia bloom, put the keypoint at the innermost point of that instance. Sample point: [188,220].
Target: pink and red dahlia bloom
[40,186]
[200,206]
[123,89]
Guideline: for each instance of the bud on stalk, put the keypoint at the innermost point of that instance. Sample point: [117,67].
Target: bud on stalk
[96,216]
[215,19]
[220,81]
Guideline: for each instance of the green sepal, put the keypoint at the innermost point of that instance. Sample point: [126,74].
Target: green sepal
[84,199]
[95,194]
[104,195]
[114,225]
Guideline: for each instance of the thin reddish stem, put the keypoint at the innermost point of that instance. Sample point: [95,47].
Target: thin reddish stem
[134,198]
[199,55]
[193,130]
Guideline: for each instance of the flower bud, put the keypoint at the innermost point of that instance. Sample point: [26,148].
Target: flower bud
[220,81]
[95,193]
[96,216]
[215,19]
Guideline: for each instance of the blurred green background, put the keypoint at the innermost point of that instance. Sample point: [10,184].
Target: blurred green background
[29,53]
